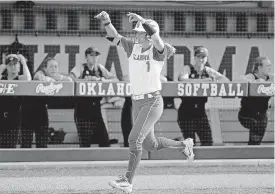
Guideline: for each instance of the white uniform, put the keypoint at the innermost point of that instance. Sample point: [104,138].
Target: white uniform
[144,67]
[144,71]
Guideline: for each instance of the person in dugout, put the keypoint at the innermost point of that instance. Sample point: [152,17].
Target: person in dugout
[87,112]
[253,112]
[10,105]
[35,115]
[192,116]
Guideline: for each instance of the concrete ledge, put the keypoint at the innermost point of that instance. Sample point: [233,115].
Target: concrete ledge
[65,154]
[220,152]
[120,154]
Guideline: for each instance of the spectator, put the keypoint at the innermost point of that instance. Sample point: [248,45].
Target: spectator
[49,71]
[10,105]
[192,116]
[35,116]
[253,111]
[88,117]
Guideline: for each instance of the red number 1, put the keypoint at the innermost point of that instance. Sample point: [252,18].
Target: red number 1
[148,66]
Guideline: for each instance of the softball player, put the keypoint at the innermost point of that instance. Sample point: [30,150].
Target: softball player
[146,57]
[253,111]
[10,105]
[192,116]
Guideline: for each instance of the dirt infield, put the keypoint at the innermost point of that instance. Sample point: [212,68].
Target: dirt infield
[152,179]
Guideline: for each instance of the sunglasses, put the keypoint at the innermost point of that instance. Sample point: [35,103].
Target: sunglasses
[94,54]
[12,60]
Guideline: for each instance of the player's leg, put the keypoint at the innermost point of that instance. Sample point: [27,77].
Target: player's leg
[2,127]
[204,131]
[101,133]
[188,127]
[84,129]
[257,130]
[12,130]
[146,113]
[153,143]
[41,128]
[26,134]
[151,110]
[256,127]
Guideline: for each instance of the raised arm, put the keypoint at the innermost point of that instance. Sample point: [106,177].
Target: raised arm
[185,74]
[113,35]
[26,73]
[39,75]
[105,19]
[2,69]
[251,78]
[216,75]
[151,28]
[63,77]
[107,75]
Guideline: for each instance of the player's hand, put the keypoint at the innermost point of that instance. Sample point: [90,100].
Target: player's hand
[260,80]
[21,58]
[135,18]
[56,76]
[44,78]
[103,79]
[2,68]
[103,17]
[92,78]
[271,77]
[208,79]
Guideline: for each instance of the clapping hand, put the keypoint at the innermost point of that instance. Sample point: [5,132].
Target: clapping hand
[92,78]
[135,18]
[103,17]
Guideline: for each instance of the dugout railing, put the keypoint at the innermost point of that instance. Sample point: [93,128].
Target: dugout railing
[222,107]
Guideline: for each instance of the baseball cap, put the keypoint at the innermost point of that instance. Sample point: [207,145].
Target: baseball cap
[11,59]
[92,50]
[201,51]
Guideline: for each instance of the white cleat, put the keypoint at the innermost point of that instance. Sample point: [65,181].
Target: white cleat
[188,150]
[122,184]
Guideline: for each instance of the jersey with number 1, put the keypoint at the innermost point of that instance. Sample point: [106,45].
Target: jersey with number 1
[145,67]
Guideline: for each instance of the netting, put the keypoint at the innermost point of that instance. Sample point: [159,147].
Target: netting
[235,33]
